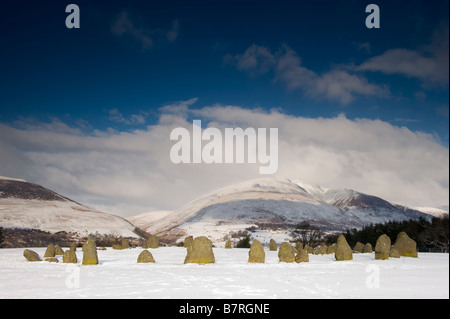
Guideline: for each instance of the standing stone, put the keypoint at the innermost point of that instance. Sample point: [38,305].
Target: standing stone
[359,247]
[125,244]
[31,255]
[200,252]
[50,251]
[286,253]
[90,253]
[145,257]
[256,253]
[228,244]
[331,249]
[153,241]
[272,245]
[298,245]
[188,241]
[343,249]
[309,249]
[69,257]
[382,247]
[73,247]
[302,256]
[320,250]
[58,251]
[405,246]
[367,248]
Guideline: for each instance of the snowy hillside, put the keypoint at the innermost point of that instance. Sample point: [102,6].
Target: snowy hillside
[27,205]
[277,202]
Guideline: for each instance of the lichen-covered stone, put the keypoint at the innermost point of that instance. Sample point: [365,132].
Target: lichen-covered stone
[200,251]
[286,253]
[273,245]
[343,249]
[298,245]
[90,256]
[50,251]
[256,253]
[331,249]
[358,248]
[309,249]
[320,250]
[302,256]
[382,247]
[367,248]
[153,241]
[228,244]
[188,241]
[405,246]
[58,251]
[69,257]
[52,260]
[145,257]
[31,255]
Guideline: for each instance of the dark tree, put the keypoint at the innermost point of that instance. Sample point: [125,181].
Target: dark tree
[307,234]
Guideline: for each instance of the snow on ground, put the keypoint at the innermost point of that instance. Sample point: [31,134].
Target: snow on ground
[231,277]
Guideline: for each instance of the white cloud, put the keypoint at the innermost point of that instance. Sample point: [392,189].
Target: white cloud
[429,64]
[131,172]
[334,85]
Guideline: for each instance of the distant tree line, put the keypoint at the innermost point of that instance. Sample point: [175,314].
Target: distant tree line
[429,235]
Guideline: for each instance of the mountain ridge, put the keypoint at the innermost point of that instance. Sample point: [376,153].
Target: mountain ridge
[275,201]
[32,206]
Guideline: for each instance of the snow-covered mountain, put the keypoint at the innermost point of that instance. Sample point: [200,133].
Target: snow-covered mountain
[28,205]
[277,202]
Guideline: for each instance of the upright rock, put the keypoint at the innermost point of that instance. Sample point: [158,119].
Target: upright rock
[273,245]
[405,246]
[188,241]
[58,251]
[331,249]
[359,247]
[302,256]
[145,257]
[228,244]
[50,251]
[153,241]
[70,257]
[90,253]
[298,245]
[286,253]
[200,251]
[382,247]
[320,250]
[343,249]
[367,248]
[256,253]
[31,255]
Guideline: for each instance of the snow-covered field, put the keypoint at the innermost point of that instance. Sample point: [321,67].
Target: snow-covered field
[119,276]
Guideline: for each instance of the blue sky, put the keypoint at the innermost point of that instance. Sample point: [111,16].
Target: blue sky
[83,74]
[374,102]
